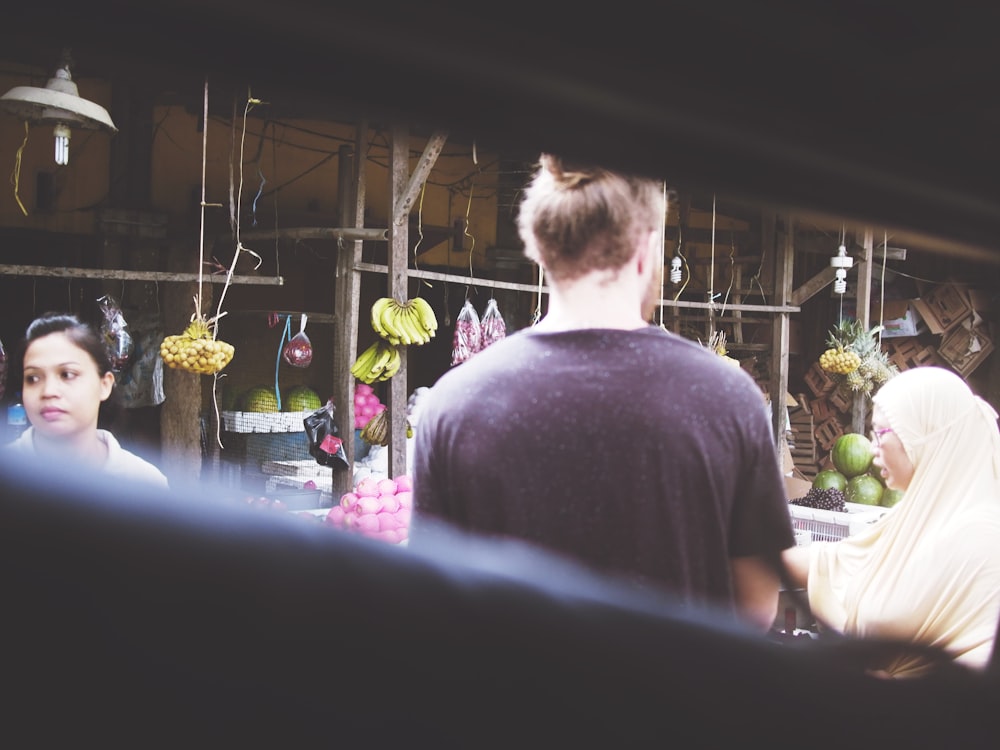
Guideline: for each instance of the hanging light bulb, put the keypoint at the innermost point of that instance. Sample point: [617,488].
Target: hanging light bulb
[58,103]
[62,132]
[675,270]
[841,261]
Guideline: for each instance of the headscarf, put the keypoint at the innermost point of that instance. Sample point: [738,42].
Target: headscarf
[928,571]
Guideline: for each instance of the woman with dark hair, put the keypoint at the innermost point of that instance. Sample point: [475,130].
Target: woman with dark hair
[68,386]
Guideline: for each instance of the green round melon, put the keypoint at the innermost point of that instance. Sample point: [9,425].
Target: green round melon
[302,398]
[852,454]
[890,498]
[260,399]
[864,489]
[830,479]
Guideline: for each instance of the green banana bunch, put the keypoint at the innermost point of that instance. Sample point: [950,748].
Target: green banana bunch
[410,323]
[376,429]
[380,361]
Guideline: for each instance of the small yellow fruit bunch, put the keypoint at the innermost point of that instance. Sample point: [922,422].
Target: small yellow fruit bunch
[839,360]
[196,350]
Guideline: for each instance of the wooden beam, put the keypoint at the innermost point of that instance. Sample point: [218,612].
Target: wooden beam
[405,202]
[814,285]
[347,234]
[123,275]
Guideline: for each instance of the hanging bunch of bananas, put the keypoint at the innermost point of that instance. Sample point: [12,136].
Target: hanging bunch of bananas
[376,429]
[408,323]
[378,362]
[196,350]
[855,358]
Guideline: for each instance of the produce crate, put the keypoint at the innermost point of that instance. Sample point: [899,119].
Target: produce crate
[944,307]
[831,525]
[966,348]
[828,431]
[819,380]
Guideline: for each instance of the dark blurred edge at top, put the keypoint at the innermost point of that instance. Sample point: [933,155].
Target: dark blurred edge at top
[880,112]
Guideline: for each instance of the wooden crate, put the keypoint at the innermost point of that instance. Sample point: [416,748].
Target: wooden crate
[819,380]
[906,353]
[944,307]
[840,401]
[827,432]
[821,409]
[964,349]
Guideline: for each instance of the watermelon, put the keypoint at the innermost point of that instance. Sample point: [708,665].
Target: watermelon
[890,498]
[852,454]
[830,479]
[864,489]
[302,398]
[260,399]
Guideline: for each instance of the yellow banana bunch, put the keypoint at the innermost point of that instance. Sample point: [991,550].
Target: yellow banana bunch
[409,323]
[196,350]
[380,361]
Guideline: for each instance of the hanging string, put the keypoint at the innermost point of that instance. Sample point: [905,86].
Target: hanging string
[420,230]
[881,301]
[711,275]
[687,270]
[15,176]
[250,103]
[538,297]
[468,210]
[663,253]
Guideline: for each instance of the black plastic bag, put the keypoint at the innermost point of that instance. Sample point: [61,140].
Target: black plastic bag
[325,444]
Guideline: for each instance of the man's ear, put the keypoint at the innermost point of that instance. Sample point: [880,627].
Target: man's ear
[649,252]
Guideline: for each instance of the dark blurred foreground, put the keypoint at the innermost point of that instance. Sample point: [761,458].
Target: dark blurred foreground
[135,618]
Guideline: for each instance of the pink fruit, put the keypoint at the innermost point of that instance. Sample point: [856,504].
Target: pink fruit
[367,487]
[362,388]
[403,483]
[367,505]
[348,500]
[388,521]
[335,516]
[405,498]
[387,486]
[403,514]
[366,524]
[390,535]
[309,485]
[389,503]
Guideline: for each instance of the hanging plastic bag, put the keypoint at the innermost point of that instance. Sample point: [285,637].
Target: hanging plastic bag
[114,331]
[325,444]
[298,352]
[468,337]
[492,325]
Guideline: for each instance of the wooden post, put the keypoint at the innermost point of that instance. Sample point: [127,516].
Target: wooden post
[779,342]
[859,408]
[347,296]
[399,171]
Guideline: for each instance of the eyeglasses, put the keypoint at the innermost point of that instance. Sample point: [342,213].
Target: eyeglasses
[877,435]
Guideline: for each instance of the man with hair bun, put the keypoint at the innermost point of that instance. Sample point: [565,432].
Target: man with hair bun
[599,435]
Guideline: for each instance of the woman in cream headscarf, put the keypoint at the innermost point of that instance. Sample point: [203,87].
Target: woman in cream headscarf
[928,572]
